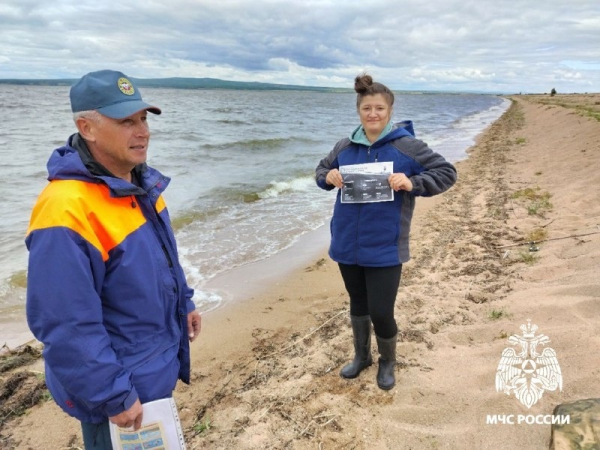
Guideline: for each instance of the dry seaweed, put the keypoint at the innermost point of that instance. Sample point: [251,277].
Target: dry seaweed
[19,357]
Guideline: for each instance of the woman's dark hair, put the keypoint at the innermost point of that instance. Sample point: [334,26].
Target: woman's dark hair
[364,85]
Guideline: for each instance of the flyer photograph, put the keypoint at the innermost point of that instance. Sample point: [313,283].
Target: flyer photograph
[367,183]
[161,429]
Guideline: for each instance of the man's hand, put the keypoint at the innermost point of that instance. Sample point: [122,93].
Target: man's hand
[131,417]
[194,320]
[334,177]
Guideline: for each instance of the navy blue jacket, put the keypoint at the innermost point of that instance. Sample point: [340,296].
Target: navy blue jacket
[105,291]
[376,234]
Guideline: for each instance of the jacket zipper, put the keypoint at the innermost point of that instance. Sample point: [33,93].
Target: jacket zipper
[358,215]
[160,234]
[163,246]
[369,154]
[166,252]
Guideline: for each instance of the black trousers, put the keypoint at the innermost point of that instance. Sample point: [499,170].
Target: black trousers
[372,293]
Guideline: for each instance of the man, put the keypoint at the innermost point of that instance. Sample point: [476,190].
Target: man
[105,291]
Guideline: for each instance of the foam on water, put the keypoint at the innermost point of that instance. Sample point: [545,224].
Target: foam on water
[277,188]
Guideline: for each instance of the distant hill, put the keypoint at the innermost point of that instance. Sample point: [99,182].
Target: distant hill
[215,83]
[186,83]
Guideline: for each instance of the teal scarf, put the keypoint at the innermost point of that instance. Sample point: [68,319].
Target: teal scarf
[359,136]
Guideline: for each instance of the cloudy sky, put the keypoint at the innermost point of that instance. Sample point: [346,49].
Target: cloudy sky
[458,45]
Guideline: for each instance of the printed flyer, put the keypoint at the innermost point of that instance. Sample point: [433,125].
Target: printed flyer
[161,429]
[367,183]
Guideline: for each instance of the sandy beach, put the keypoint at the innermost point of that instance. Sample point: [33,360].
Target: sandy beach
[265,368]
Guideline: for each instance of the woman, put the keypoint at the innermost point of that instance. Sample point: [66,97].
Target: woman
[369,241]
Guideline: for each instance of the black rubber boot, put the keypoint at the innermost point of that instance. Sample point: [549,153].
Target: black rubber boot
[386,378]
[361,328]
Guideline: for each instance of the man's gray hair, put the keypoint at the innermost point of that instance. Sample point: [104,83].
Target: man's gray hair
[91,114]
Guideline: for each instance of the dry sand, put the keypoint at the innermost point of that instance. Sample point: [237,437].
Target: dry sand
[265,368]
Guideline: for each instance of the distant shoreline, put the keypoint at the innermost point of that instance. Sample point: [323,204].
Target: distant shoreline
[183,83]
[215,83]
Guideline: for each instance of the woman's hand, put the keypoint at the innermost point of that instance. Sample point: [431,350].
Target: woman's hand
[334,177]
[399,181]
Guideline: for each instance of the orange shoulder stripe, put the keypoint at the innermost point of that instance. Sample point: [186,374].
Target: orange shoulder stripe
[89,210]
[160,204]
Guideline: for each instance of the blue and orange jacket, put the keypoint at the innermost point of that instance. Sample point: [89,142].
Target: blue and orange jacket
[376,234]
[105,291]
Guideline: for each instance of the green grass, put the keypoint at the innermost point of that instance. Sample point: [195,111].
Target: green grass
[528,257]
[530,194]
[520,141]
[519,117]
[202,426]
[539,208]
[536,235]
[539,201]
[497,314]
[588,112]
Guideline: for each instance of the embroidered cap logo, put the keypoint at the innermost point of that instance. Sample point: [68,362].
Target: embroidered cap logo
[125,86]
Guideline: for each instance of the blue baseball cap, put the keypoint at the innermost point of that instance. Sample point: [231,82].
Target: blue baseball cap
[110,93]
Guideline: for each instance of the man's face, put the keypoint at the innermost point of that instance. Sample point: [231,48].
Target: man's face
[121,144]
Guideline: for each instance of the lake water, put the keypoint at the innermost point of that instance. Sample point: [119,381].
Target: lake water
[241,162]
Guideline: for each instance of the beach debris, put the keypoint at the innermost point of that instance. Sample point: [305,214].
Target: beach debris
[416,336]
[19,389]
[19,357]
[531,243]
[321,262]
[19,392]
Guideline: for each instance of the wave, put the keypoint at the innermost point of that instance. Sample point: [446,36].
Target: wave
[455,141]
[232,122]
[219,199]
[185,218]
[193,137]
[482,119]
[276,188]
[258,144]
[12,291]
[18,279]
[228,110]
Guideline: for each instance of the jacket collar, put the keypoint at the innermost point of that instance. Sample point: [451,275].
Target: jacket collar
[75,161]
[359,136]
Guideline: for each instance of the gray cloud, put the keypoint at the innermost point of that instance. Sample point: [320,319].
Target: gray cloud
[442,44]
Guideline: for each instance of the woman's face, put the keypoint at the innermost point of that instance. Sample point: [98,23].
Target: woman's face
[374,113]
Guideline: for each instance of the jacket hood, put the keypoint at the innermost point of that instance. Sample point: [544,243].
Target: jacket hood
[405,127]
[66,164]
[73,161]
[389,133]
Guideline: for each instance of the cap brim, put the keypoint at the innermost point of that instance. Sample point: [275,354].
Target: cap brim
[126,109]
